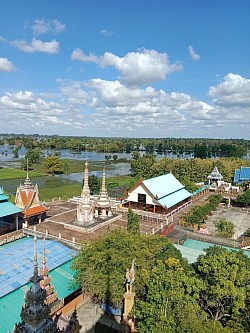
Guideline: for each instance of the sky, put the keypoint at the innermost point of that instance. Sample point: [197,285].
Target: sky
[134,68]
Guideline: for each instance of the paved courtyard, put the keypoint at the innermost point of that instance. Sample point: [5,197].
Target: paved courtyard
[240,217]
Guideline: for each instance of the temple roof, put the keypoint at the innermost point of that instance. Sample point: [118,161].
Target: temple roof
[34,211]
[215,174]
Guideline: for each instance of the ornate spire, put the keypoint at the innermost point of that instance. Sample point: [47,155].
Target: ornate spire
[35,260]
[85,189]
[103,189]
[27,182]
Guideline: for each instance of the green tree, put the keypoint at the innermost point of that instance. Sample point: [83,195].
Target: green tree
[53,165]
[244,198]
[169,290]
[94,184]
[101,266]
[224,228]
[226,276]
[33,155]
[133,222]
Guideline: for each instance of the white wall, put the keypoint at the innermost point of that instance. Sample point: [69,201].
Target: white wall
[133,196]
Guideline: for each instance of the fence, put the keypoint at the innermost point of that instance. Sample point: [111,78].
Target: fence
[10,237]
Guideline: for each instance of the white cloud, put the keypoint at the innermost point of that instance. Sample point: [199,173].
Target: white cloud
[79,55]
[42,26]
[37,46]
[195,56]
[2,39]
[233,91]
[137,68]
[101,107]
[6,65]
[106,33]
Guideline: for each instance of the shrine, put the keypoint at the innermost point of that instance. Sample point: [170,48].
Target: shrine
[215,179]
[102,204]
[28,200]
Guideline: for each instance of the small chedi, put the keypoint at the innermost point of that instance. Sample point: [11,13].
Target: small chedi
[93,211]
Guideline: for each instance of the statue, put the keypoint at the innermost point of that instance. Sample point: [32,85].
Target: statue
[130,277]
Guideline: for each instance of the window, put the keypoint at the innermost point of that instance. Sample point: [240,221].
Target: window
[142,198]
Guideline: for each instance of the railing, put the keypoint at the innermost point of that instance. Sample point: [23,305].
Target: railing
[12,236]
[71,243]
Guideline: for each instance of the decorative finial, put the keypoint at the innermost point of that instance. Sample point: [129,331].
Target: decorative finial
[35,259]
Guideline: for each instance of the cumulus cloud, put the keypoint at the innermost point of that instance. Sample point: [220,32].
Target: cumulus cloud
[42,27]
[6,65]
[37,46]
[137,68]
[233,91]
[78,54]
[102,107]
[195,56]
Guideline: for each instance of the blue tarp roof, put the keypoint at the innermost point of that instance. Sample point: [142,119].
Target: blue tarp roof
[174,198]
[163,185]
[7,208]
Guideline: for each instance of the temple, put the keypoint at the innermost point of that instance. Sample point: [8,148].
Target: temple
[160,195]
[102,204]
[35,313]
[85,207]
[27,199]
[52,300]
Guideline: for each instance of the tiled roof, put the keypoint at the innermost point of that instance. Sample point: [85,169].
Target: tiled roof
[26,197]
[7,208]
[34,211]
[163,185]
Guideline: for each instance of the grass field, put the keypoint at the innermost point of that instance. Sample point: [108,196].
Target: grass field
[17,173]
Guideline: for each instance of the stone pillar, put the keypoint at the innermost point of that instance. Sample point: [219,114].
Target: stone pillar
[128,320]
[40,218]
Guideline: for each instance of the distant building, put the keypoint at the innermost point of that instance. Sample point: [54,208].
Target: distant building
[242,175]
[161,195]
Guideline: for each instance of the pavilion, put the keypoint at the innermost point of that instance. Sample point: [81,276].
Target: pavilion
[215,179]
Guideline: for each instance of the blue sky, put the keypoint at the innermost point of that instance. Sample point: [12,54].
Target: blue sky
[125,68]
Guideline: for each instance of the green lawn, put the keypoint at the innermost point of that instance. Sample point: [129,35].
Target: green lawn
[65,192]
[17,173]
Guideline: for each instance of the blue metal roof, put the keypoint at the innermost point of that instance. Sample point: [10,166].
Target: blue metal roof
[242,174]
[7,208]
[163,185]
[174,198]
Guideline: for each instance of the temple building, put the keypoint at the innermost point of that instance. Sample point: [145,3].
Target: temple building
[102,204]
[27,199]
[215,179]
[85,207]
[35,313]
[242,175]
[8,214]
[161,195]
[52,300]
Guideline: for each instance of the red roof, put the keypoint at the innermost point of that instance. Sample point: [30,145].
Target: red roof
[34,211]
